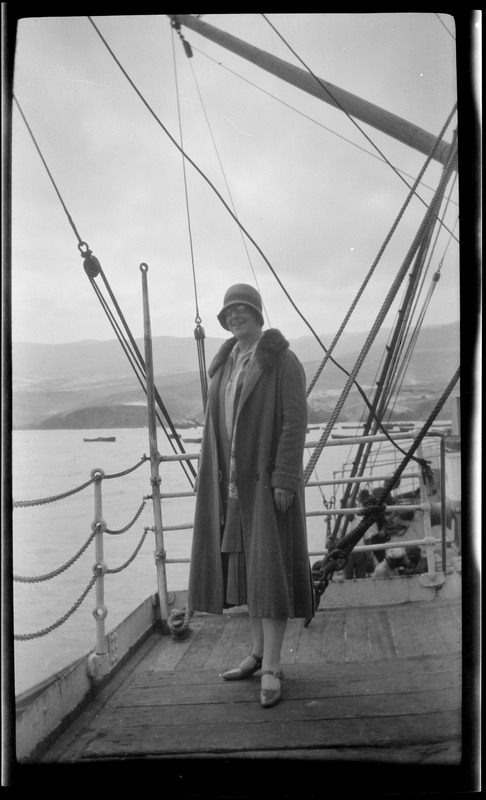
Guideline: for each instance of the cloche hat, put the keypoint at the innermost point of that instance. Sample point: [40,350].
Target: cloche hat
[241,293]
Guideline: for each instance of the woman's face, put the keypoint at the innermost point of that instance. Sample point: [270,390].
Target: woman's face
[242,321]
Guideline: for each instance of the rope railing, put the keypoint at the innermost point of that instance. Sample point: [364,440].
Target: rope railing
[99,568]
[49,575]
[132,522]
[53,499]
[24,637]
[132,557]
[70,492]
[179,619]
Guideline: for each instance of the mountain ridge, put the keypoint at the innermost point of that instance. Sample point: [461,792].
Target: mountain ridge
[63,385]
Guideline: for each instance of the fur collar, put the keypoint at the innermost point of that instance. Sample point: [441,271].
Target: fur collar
[272,343]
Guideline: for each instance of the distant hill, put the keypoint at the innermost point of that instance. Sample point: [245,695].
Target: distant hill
[91,384]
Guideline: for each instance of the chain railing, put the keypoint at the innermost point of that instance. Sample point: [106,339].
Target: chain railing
[98,662]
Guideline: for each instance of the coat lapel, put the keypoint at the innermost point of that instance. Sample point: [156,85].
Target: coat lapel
[271,344]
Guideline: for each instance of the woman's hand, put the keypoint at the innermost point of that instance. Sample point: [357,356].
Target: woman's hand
[282,499]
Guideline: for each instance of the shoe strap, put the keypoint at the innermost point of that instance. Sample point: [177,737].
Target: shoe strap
[256,658]
[278,675]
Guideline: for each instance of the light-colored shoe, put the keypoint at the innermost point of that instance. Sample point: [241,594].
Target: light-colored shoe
[240,674]
[270,697]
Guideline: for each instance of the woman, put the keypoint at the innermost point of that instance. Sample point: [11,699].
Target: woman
[249,542]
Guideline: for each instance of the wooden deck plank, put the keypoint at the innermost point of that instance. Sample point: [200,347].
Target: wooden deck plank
[333,644]
[298,684]
[442,754]
[407,639]
[449,627]
[223,650]
[211,706]
[425,621]
[201,643]
[311,641]
[242,643]
[382,643]
[168,657]
[357,646]
[413,666]
[334,700]
[290,646]
[425,729]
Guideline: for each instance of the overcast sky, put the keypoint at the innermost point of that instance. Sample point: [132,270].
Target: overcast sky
[305,182]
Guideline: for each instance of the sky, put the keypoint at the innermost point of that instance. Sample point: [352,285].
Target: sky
[306,183]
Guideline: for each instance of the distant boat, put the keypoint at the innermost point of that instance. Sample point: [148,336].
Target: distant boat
[101,439]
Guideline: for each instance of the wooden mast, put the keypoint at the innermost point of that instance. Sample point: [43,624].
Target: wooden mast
[391,124]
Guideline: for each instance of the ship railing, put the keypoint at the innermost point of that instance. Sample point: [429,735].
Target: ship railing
[100,660]
[429,542]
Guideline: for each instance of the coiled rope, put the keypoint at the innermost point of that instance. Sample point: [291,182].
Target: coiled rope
[178,622]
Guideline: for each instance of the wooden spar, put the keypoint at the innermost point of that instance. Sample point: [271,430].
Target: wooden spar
[371,114]
[154,460]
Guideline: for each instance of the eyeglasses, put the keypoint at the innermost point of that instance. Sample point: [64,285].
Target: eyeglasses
[240,309]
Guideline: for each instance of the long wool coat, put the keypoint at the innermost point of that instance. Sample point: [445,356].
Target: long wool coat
[270,438]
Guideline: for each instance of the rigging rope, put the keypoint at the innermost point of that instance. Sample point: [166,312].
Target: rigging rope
[427,222]
[375,263]
[199,332]
[338,104]
[177,27]
[73,226]
[385,383]
[394,381]
[306,116]
[93,268]
[232,214]
[228,209]
[334,558]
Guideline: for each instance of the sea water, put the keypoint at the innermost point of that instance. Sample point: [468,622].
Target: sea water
[46,537]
